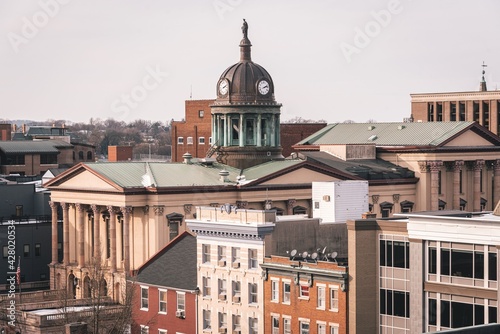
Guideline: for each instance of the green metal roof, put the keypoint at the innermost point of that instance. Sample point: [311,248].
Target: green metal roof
[387,134]
[161,174]
[28,146]
[268,168]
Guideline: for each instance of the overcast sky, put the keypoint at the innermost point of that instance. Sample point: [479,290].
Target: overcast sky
[332,60]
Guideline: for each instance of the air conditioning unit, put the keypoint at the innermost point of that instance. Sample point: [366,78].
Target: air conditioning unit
[222,263]
[222,297]
[179,314]
[236,265]
[222,330]
[236,299]
[237,331]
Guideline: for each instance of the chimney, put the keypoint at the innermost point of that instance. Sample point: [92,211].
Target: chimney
[224,175]
[187,158]
[24,128]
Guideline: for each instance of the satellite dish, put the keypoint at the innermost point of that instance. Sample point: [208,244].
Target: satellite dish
[304,255]
[334,255]
[314,256]
[294,252]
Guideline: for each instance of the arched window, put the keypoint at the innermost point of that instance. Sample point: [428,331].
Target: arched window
[89,156]
[279,212]
[299,210]
[80,155]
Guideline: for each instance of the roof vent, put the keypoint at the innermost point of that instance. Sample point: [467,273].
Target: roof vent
[224,175]
[372,137]
[371,127]
[187,158]
[401,127]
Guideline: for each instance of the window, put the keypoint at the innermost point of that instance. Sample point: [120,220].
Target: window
[190,140]
[236,322]
[334,299]
[15,159]
[299,210]
[321,328]
[396,303]
[236,291]
[492,266]
[180,140]
[453,111]
[441,204]
[304,290]
[253,325]
[46,159]
[462,263]
[162,297]
[160,331]
[235,252]
[222,320]
[252,293]
[321,297]
[386,209]
[89,156]
[221,255]
[286,292]
[144,329]
[334,329]
[304,327]
[461,111]
[432,260]
[275,294]
[181,301]
[406,206]
[201,140]
[144,297]
[173,229]
[206,320]
[26,250]
[395,254]
[457,315]
[205,256]
[201,113]
[19,210]
[222,289]
[207,286]
[210,140]
[430,112]
[5,251]
[275,325]
[287,326]
[252,259]
[38,249]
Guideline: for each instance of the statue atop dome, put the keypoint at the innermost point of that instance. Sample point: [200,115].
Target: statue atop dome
[244,29]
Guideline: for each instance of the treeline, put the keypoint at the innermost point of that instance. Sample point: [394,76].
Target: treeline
[145,136]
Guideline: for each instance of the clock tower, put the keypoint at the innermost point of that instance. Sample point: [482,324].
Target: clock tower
[245,115]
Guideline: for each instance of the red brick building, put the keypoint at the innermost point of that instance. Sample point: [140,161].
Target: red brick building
[166,290]
[292,133]
[193,134]
[302,295]
[120,153]
[5,131]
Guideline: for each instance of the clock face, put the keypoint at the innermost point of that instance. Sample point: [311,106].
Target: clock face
[223,87]
[263,87]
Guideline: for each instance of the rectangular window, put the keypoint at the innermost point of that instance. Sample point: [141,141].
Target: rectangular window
[445,261]
[190,140]
[144,298]
[222,289]
[161,331]
[321,297]
[304,290]
[235,252]
[38,249]
[221,256]
[334,299]
[461,111]
[304,327]
[144,329]
[275,294]
[236,322]
[5,252]
[201,113]
[222,320]
[334,329]
[253,293]
[173,229]
[432,260]
[201,140]
[236,291]
[252,259]
[396,303]
[205,256]
[461,263]
[253,325]
[453,111]
[492,266]
[181,301]
[180,140]
[26,250]
[287,326]
[492,315]
[206,320]
[286,292]
[479,265]
[210,140]
[275,325]
[207,286]
[432,312]
[162,298]
[321,328]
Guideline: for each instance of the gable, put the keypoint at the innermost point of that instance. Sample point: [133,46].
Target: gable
[468,138]
[85,180]
[299,176]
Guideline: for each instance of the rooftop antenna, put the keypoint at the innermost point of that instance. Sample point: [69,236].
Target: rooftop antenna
[482,86]
[191,93]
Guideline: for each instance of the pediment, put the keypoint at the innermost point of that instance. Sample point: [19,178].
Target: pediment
[468,139]
[85,180]
[299,176]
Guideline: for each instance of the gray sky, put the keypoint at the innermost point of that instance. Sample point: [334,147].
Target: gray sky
[333,60]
